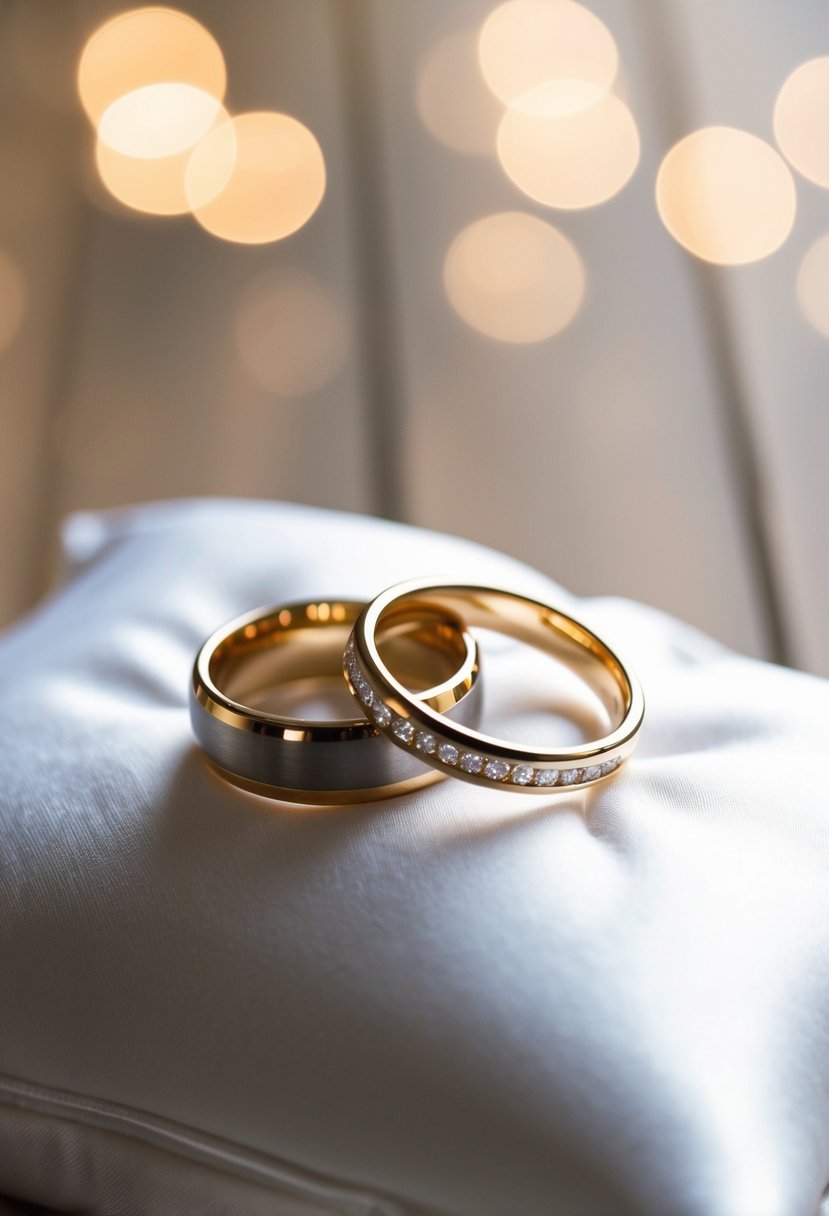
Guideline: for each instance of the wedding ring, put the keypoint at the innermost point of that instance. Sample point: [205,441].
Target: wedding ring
[252,673]
[461,751]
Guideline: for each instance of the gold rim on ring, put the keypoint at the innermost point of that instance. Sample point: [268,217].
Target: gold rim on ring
[460,751]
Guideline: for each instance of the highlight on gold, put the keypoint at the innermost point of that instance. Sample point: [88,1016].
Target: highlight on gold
[271,173]
[525,43]
[567,144]
[152,82]
[292,332]
[452,99]
[514,277]
[726,196]
[12,299]
[813,286]
[801,120]
[146,46]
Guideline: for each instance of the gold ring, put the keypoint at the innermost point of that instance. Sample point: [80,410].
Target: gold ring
[248,672]
[459,751]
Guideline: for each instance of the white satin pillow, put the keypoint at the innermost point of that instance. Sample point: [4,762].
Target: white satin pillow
[461,1001]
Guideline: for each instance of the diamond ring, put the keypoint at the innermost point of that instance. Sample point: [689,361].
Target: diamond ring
[459,750]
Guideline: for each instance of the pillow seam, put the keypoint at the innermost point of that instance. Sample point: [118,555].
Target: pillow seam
[191,1144]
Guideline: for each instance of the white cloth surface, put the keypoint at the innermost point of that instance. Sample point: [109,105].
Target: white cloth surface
[464,1002]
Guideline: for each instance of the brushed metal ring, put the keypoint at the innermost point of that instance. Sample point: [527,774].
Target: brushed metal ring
[327,761]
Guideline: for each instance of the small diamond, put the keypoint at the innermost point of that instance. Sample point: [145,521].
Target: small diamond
[471,762]
[591,773]
[381,714]
[522,774]
[404,730]
[366,695]
[570,775]
[496,770]
[546,776]
[448,753]
[610,765]
[426,743]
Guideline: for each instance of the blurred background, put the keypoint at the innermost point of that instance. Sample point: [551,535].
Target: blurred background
[551,276]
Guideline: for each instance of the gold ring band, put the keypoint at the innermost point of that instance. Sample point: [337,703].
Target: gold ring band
[298,647]
[463,752]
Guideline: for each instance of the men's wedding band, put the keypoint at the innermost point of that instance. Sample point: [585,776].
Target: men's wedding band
[325,762]
[456,749]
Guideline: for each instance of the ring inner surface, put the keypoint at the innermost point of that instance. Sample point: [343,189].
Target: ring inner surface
[288,665]
[535,624]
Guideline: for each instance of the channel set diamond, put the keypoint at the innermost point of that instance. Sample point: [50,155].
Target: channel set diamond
[403,729]
[496,770]
[569,776]
[448,753]
[546,776]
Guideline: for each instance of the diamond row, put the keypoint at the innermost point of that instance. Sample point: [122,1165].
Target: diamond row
[455,757]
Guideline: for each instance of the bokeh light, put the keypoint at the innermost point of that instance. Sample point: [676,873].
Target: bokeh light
[514,277]
[567,146]
[13,298]
[273,172]
[158,120]
[801,120]
[292,332]
[813,286]
[453,102]
[726,196]
[156,185]
[146,46]
[524,43]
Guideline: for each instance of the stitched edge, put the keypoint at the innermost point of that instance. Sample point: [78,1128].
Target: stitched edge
[192,1144]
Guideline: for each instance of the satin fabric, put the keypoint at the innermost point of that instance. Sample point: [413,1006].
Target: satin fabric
[462,1001]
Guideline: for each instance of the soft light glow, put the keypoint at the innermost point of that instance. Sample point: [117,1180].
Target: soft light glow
[148,46]
[152,186]
[158,120]
[801,120]
[156,186]
[524,43]
[274,172]
[12,299]
[813,285]
[568,146]
[514,277]
[292,332]
[726,195]
[453,102]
